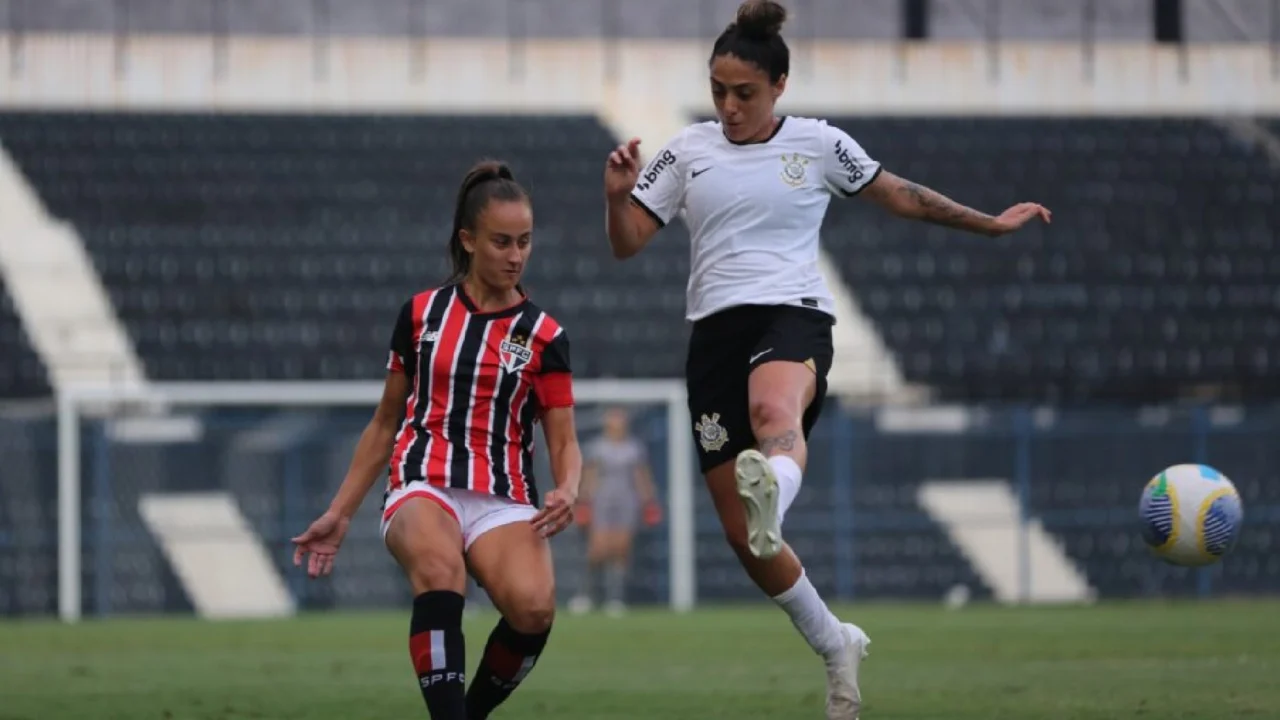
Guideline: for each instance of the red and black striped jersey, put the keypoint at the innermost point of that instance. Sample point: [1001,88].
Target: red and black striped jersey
[479,383]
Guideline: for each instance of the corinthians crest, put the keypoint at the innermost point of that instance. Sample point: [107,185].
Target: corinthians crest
[794,167]
[711,434]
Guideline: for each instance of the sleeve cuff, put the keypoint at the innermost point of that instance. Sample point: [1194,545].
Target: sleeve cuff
[555,390]
[640,204]
[864,185]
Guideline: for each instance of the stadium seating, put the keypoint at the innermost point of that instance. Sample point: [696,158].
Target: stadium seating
[281,247]
[856,523]
[251,247]
[1086,481]
[22,373]
[273,247]
[28,520]
[1157,276]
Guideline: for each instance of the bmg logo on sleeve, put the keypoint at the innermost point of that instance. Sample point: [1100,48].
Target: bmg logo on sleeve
[659,165]
[846,161]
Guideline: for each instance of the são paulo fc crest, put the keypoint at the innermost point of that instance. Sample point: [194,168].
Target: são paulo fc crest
[711,434]
[794,167]
[513,354]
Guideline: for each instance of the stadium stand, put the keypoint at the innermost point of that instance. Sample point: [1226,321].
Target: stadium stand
[857,522]
[28,519]
[22,373]
[1074,492]
[1154,276]
[281,247]
[899,550]
[1054,20]
[1157,276]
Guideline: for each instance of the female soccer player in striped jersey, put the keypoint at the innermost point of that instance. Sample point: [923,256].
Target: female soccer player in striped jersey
[473,366]
[754,188]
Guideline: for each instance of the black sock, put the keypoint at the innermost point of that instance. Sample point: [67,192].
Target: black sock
[438,653]
[508,657]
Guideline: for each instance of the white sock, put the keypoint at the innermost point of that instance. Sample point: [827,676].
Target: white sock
[788,474]
[812,618]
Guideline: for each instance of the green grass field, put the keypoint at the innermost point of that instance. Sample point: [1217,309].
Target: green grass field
[1210,661]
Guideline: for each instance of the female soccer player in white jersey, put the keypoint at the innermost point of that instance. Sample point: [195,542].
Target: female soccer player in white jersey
[473,366]
[754,188]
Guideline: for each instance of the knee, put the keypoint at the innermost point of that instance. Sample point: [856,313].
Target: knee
[771,411]
[534,613]
[434,571]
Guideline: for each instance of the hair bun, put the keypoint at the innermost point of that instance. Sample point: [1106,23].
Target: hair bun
[486,170]
[761,19]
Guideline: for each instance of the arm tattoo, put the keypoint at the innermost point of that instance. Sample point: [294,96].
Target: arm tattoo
[936,208]
[786,442]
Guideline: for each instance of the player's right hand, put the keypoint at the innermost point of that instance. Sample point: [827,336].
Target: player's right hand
[622,170]
[321,540]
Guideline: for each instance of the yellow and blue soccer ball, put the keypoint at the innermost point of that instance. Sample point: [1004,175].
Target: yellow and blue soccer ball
[1191,515]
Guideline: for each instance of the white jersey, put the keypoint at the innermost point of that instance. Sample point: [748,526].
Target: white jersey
[754,210]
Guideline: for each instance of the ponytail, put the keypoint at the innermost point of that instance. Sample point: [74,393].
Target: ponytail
[487,180]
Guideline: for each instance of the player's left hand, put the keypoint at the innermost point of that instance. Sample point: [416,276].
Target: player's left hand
[1019,215]
[556,512]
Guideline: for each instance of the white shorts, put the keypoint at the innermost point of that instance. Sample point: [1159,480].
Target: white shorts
[476,513]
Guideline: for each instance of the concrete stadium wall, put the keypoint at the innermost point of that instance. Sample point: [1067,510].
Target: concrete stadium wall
[361,74]
[1205,20]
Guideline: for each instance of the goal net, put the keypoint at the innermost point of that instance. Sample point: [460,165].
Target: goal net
[178,497]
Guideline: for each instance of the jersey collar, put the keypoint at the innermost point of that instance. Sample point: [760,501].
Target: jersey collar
[474,310]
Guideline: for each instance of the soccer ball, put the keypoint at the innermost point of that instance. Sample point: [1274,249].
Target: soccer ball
[1191,515]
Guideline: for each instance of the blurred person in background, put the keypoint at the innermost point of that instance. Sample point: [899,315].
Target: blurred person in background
[617,494]
[473,366]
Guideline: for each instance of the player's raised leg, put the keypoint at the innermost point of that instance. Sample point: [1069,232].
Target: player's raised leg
[782,578]
[779,394]
[769,477]
[425,538]
[514,565]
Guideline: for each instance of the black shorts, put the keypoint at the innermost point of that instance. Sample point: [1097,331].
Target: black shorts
[723,350]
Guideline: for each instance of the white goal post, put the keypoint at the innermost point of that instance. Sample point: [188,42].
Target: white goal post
[77,402]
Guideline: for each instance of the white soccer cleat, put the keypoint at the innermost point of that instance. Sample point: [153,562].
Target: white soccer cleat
[844,698]
[758,489]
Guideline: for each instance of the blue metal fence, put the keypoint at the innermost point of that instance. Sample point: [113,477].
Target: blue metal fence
[857,523]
